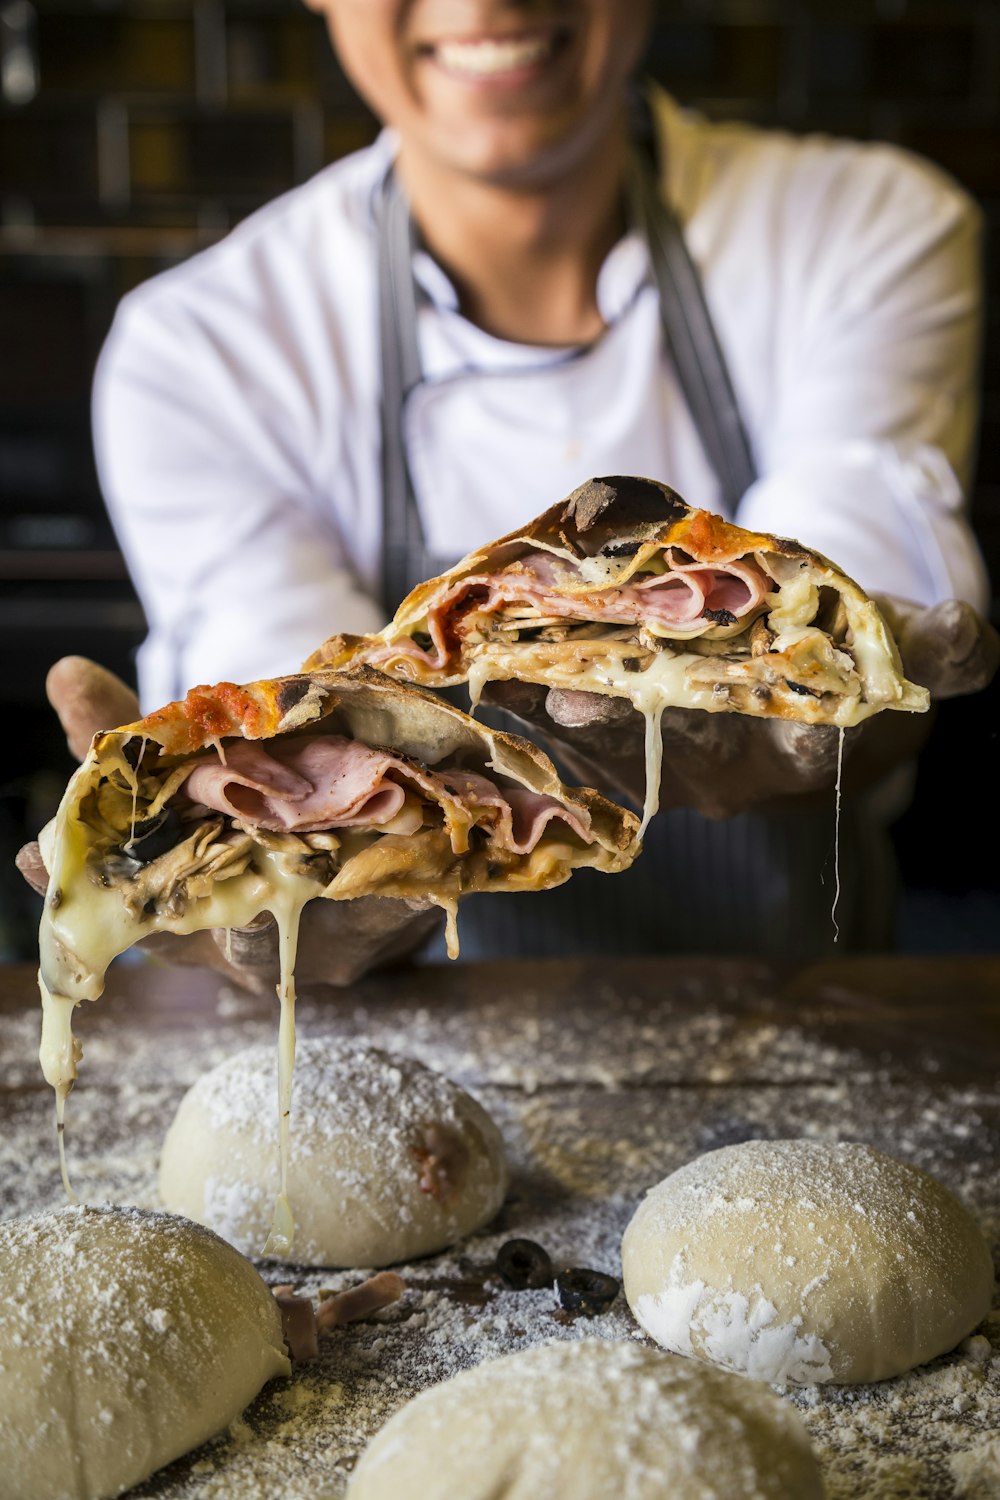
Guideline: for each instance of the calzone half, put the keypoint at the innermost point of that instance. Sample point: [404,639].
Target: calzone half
[623,589]
[326,785]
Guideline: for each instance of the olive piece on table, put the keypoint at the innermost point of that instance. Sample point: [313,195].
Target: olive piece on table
[524,1265]
[585,1291]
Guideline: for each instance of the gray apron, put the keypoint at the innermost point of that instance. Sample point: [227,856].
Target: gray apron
[755,883]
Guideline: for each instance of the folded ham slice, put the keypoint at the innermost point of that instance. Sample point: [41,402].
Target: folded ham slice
[328,781]
[679,600]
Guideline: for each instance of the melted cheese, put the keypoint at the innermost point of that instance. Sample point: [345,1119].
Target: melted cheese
[59,1054]
[290,896]
[87,926]
[86,921]
[449,906]
[836,837]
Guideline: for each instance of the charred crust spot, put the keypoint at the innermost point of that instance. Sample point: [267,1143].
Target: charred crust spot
[800,688]
[718,616]
[762,693]
[787,546]
[637,502]
[587,503]
[631,663]
[291,692]
[620,549]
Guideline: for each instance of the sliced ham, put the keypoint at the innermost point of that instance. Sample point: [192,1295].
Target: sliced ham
[679,599]
[328,781]
[520,815]
[300,785]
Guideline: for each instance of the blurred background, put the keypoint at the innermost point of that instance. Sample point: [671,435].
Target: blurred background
[134,132]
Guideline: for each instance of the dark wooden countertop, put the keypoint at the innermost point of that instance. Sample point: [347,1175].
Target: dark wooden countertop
[604,1076]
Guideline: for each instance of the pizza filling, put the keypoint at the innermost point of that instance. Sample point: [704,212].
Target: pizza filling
[672,596]
[312,803]
[722,637]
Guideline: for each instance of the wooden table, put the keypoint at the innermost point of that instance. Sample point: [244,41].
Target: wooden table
[604,1077]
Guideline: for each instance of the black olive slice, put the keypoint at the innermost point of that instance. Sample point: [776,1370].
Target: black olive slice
[132,749]
[523,1264]
[584,1291]
[153,837]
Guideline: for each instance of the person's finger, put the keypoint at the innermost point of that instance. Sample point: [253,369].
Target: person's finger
[252,947]
[718,737]
[338,941]
[88,698]
[576,710]
[525,700]
[31,865]
[808,751]
[950,649]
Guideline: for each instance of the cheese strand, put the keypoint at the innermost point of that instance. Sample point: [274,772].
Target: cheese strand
[287,912]
[59,1054]
[836,836]
[654,766]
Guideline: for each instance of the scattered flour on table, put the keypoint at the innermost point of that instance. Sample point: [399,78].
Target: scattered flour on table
[583,1148]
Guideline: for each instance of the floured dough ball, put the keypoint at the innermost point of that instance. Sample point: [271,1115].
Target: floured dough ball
[126,1339]
[805,1261]
[590,1420]
[389,1159]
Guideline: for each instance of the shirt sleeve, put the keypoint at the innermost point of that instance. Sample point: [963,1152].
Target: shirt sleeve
[204,470]
[870,446]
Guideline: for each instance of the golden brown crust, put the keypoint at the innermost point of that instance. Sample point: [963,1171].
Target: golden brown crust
[610,529]
[612,523]
[368,706]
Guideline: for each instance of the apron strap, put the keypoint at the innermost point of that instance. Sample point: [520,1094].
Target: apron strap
[688,333]
[402,532]
[691,338]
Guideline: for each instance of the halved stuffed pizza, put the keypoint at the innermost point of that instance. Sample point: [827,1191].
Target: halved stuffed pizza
[327,785]
[623,589]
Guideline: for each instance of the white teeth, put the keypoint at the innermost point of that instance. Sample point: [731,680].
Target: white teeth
[481,58]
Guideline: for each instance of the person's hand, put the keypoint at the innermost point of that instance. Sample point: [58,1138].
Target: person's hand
[87,698]
[338,940]
[948,649]
[725,763]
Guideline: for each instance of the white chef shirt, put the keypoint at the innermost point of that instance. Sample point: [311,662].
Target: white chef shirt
[237,401]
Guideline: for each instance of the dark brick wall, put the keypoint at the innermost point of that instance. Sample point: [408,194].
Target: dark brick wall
[134,131]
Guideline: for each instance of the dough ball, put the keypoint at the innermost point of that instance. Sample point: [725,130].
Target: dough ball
[126,1339]
[389,1159]
[589,1420]
[805,1261]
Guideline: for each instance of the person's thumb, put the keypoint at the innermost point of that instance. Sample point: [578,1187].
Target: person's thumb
[88,698]
[950,649]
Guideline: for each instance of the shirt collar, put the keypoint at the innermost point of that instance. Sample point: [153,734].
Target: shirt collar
[624,272]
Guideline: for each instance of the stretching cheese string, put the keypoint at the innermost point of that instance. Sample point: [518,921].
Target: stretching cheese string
[59,1054]
[287,914]
[836,836]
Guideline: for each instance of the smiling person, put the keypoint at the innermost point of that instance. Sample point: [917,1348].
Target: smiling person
[538,274]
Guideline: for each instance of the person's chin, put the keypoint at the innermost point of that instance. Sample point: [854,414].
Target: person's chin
[524,157]
[498,121]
